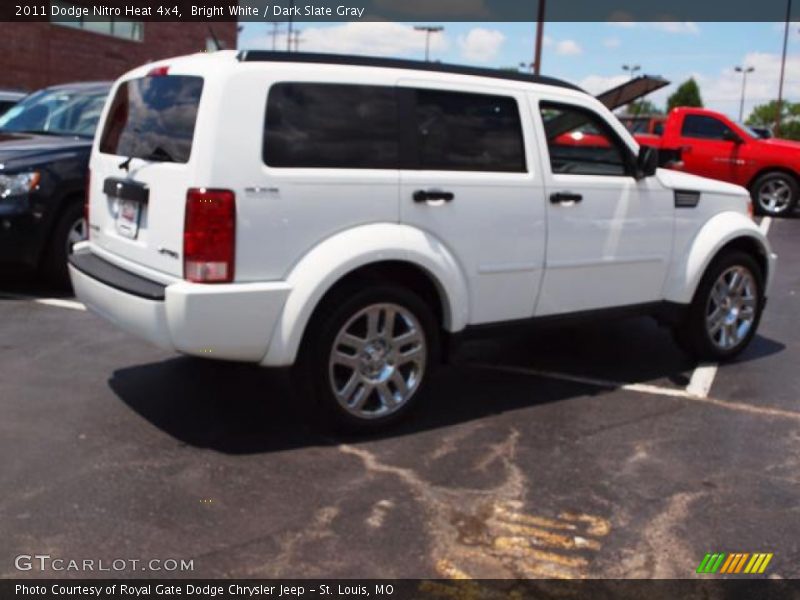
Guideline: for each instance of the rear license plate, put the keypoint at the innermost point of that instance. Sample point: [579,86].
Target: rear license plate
[128,218]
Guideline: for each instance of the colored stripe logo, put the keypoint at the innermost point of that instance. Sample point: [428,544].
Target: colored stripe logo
[735,563]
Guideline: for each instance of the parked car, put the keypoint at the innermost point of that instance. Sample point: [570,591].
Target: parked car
[644,124]
[764,133]
[355,217]
[711,145]
[45,142]
[9,98]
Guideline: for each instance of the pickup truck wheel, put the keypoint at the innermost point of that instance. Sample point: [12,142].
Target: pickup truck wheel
[726,309]
[368,353]
[70,229]
[775,194]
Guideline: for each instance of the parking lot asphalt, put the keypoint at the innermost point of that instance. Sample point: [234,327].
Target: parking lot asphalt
[592,451]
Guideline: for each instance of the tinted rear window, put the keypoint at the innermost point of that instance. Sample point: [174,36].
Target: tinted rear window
[153,118]
[331,125]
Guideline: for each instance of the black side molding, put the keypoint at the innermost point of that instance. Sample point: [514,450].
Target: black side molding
[686,199]
[119,279]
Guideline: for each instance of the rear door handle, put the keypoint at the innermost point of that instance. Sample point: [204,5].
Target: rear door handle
[437,196]
[565,198]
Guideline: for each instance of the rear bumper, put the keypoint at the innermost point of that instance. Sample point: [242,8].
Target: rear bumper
[223,321]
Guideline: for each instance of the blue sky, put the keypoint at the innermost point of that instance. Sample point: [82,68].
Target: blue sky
[589,54]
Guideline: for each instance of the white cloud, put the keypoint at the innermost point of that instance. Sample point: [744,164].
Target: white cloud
[675,27]
[568,48]
[680,27]
[612,42]
[481,45]
[377,39]
[723,91]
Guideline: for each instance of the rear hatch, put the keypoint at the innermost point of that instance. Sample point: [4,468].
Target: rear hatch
[142,168]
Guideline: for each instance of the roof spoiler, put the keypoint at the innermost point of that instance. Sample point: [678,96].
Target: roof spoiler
[632,90]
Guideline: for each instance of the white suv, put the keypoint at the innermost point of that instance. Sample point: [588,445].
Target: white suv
[351,216]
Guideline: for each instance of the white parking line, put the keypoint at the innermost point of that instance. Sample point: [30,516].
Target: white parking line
[702,380]
[57,302]
[703,376]
[645,389]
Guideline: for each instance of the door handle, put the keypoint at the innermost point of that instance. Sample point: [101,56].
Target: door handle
[438,196]
[565,198]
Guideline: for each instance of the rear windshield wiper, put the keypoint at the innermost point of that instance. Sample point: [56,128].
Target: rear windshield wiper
[160,155]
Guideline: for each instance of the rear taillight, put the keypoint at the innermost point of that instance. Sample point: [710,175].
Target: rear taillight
[209,236]
[86,197]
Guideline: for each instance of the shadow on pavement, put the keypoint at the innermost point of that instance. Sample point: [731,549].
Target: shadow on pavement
[242,409]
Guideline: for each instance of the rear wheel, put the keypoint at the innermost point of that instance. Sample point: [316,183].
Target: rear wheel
[775,194]
[368,354]
[69,230]
[726,309]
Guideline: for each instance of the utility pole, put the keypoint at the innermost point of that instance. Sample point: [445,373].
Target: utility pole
[289,32]
[274,34]
[297,39]
[777,131]
[537,47]
[744,71]
[428,29]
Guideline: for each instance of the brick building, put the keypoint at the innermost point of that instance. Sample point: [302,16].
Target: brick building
[35,55]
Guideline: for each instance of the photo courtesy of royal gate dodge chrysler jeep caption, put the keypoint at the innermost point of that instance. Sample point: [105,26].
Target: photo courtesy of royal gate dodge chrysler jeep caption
[355,217]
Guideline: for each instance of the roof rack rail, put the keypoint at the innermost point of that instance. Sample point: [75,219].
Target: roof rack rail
[395,63]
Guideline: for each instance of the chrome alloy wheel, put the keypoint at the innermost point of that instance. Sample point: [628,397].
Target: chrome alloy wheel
[77,233]
[377,361]
[775,196]
[731,307]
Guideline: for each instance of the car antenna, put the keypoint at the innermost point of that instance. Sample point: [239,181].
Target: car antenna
[126,164]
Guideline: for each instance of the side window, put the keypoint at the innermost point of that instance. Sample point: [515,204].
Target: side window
[468,132]
[581,143]
[704,127]
[331,125]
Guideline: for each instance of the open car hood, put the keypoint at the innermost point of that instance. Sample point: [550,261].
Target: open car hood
[632,90]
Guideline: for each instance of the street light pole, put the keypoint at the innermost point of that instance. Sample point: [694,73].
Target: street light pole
[632,70]
[744,71]
[428,29]
[537,52]
[783,69]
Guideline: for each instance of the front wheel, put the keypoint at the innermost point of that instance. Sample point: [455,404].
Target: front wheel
[367,355]
[726,309]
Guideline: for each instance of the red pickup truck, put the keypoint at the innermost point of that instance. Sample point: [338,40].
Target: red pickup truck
[711,145]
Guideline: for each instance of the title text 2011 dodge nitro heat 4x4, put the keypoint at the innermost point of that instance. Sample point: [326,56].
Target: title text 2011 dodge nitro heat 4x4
[349,216]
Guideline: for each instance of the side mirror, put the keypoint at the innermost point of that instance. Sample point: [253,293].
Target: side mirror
[646,162]
[730,136]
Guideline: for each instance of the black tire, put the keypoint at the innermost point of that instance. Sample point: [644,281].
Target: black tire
[55,261]
[693,335]
[316,377]
[776,179]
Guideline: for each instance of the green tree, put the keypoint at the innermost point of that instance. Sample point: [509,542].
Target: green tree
[644,107]
[687,94]
[764,115]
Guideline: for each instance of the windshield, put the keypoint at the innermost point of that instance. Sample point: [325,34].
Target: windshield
[751,132]
[58,112]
